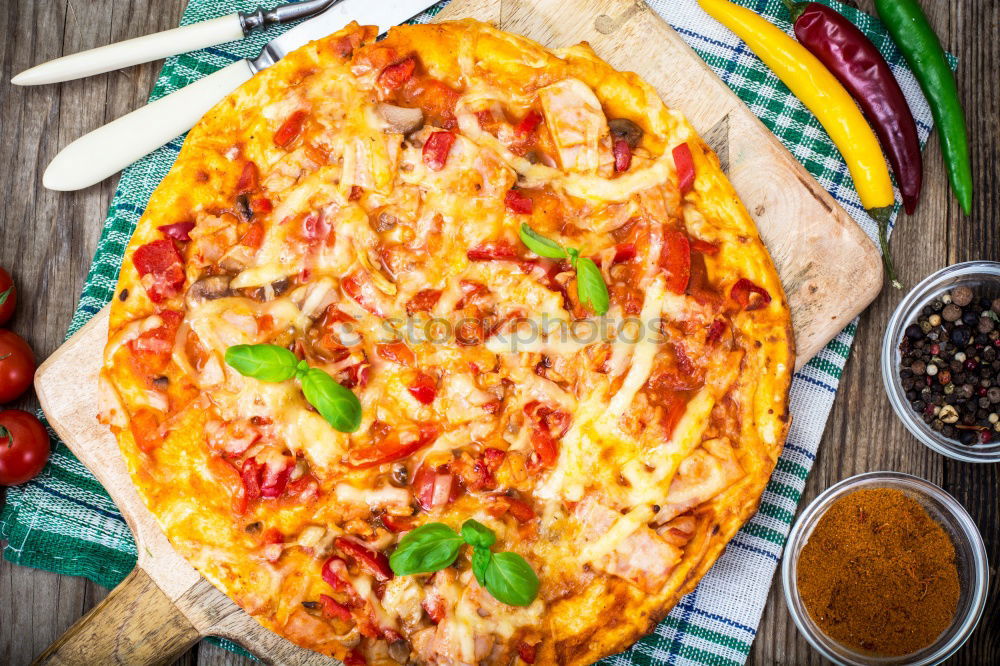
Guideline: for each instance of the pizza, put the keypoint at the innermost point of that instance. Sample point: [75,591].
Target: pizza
[448,348]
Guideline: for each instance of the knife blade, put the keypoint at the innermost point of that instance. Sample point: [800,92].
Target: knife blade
[108,149]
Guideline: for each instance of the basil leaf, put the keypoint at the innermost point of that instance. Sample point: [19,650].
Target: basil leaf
[481,558]
[268,363]
[511,580]
[478,535]
[427,549]
[336,404]
[540,245]
[590,286]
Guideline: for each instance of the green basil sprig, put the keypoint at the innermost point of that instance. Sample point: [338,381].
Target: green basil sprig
[434,546]
[590,285]
[271,363]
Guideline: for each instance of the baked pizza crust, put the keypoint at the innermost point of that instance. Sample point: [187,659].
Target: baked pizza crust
[584,611]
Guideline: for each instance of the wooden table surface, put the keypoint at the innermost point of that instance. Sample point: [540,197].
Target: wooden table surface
[47,240]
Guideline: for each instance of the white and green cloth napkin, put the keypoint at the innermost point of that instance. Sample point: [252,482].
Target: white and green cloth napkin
[64,521]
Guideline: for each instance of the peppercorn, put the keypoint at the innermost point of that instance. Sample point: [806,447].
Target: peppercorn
[960,336]
[944,377]
[961,295]
[950,313]
[918,367]
[986,324]
[995,306]
[913,332]
[969,318]
[932,370]
[935,320]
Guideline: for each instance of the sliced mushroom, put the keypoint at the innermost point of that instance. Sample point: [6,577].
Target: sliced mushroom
[399,119]
[208,289]
[399,651]
[623,128]
[385,222]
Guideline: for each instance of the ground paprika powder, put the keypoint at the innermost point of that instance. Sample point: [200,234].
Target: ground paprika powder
[878,573]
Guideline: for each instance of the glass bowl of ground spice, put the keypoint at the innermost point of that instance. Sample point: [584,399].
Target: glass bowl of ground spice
[885,568]
[941,361]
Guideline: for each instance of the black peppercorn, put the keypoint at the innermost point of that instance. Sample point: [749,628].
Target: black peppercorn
[913,332]
[959,336]
[994,394]
[969,318]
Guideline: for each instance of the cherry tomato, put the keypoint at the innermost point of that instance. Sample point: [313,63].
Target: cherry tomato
[8,297]
[24,447]
[17,366]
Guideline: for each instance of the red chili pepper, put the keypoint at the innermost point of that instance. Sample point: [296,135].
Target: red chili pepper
[623,155]
[517,202]
[178,231]
[859,66]
[684,162]
[436,150]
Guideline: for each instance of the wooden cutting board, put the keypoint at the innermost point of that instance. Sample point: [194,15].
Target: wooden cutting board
[831,271]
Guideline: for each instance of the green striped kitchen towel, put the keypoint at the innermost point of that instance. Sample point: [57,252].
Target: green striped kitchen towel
[64,521]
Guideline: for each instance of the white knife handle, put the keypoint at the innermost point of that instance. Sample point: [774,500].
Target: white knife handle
[95,156]
[134,51]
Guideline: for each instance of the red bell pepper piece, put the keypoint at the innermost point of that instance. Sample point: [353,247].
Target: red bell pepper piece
[493,251]
[675,258]
[529,123]
[623,155]
[743,292]
[436,150]
[423,388]
[375,563]
[290,129]
[179,231]
[392,448]
[397,74]
[684,162]
[249,179]
[517,202]
[334,609]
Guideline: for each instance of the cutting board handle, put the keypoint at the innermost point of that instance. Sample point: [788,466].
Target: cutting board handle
[135,624]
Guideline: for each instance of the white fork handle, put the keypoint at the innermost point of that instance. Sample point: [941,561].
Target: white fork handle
[109,149]
[134,51]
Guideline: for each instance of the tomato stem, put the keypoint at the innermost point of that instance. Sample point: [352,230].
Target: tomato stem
[4,295]
[5,434]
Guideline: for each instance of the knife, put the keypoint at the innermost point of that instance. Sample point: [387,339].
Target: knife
[167,43]
[109,149]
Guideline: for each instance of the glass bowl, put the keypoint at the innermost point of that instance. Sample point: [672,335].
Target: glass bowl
[970,556]
[975,274]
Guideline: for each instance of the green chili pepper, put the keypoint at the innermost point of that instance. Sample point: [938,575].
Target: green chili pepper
[909,28]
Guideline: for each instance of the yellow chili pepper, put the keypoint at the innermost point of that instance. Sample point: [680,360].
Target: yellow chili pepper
[822,94]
